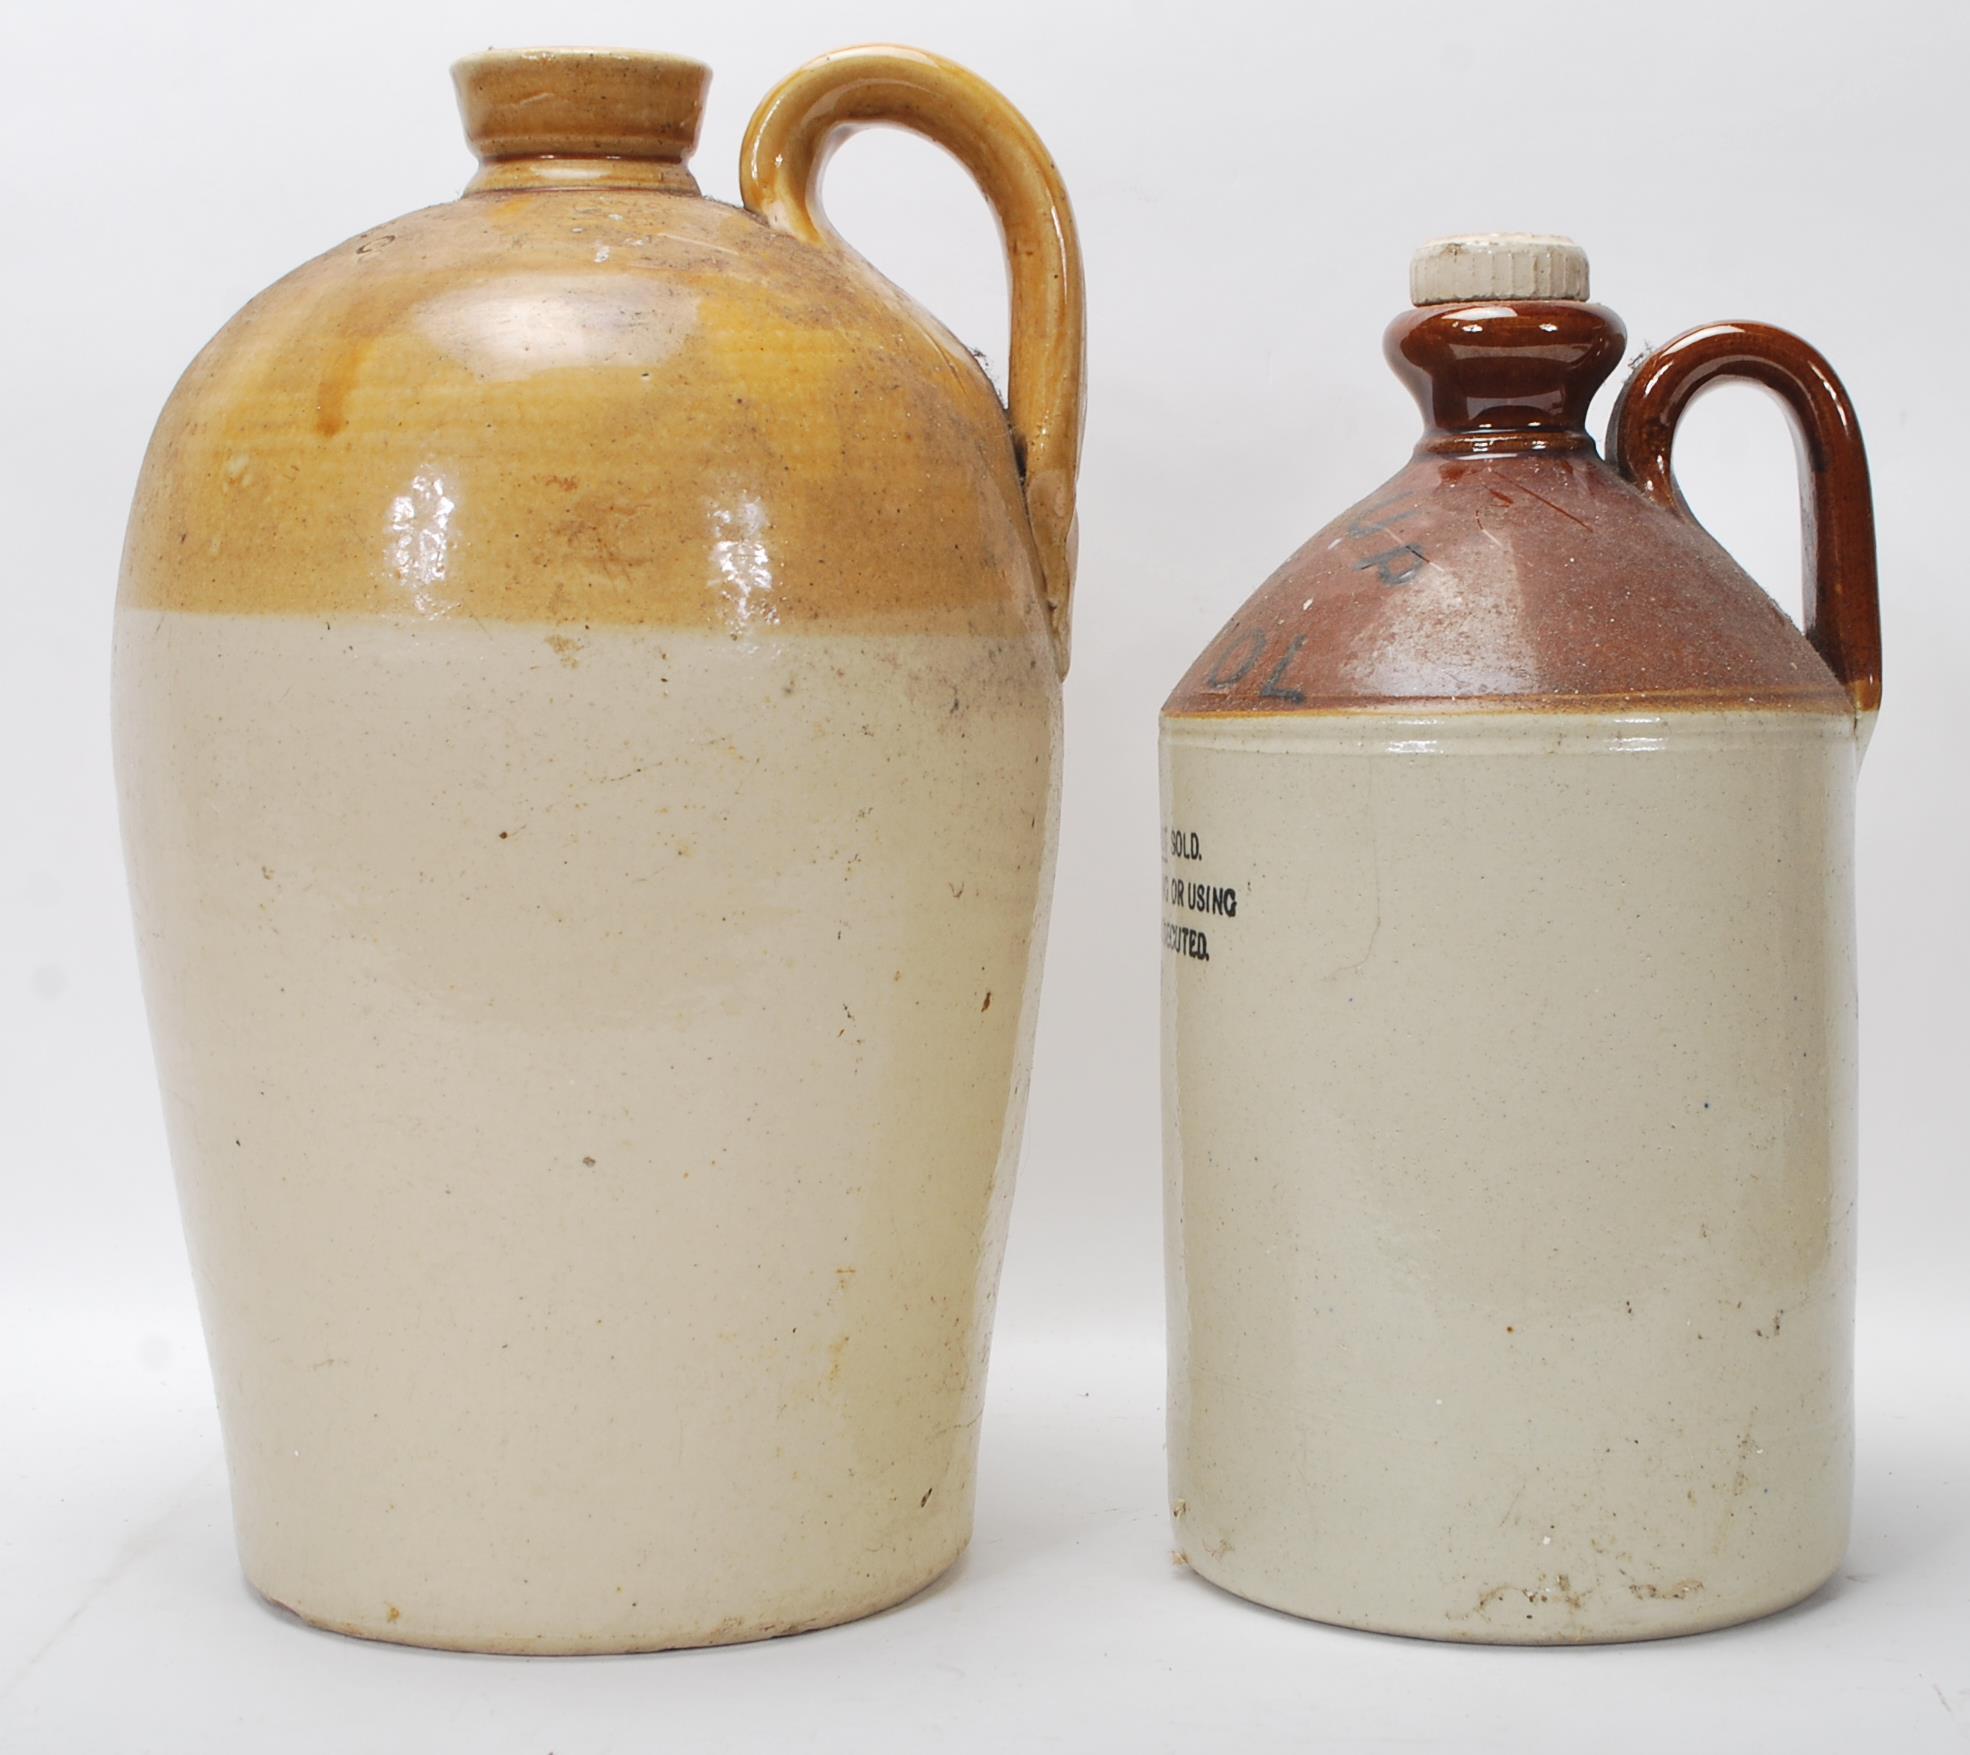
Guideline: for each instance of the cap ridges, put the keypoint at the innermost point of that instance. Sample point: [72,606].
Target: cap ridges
[1497,265]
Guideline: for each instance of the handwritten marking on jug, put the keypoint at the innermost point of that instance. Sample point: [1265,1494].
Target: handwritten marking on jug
[1193,895]
[1240,658]
[1395,565]
[1272,688]
[1246,655]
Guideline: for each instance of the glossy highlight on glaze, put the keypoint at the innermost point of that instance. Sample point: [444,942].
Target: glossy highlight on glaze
[597,379]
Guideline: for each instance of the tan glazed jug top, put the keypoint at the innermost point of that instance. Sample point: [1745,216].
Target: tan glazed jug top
[584,391]
[1510,566]
[595,118]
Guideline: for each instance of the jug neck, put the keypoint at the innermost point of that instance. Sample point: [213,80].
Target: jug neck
[581,118]
[1506,377]
[583,173]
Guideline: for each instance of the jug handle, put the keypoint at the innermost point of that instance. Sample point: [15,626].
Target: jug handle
[1842,604]
[811,112]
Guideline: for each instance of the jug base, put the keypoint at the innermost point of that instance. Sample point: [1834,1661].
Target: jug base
[1680,1619]
[733,1630]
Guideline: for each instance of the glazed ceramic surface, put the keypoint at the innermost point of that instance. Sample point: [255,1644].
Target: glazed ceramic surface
[1509,1021]
[588,728]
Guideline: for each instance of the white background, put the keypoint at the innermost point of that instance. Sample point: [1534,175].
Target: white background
[1250,181]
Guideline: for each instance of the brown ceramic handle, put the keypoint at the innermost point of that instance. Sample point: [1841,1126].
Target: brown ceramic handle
[810,113]
[1843,612]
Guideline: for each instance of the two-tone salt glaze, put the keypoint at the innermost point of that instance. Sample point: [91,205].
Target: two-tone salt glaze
[1509,1011]
[588,719]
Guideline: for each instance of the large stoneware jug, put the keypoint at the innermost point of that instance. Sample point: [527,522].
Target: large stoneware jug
[588,721]
[1509,1010]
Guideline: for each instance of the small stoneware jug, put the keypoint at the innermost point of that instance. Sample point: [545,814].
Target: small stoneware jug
[1509,1010]
[588,720]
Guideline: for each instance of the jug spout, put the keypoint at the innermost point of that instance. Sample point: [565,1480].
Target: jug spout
[585,118]
[1503,353]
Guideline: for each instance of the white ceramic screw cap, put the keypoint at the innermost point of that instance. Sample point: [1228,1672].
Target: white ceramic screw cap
[1497,265]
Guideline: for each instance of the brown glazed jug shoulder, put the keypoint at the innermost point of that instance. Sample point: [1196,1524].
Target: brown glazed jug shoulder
[1509,565]
[588,726]
[1509,1017]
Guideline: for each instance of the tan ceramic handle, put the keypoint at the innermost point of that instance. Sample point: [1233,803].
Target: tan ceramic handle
[1843,611]
[810,113]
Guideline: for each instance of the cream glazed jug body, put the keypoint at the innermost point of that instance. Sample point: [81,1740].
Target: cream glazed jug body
[1509,1011]
[588,721]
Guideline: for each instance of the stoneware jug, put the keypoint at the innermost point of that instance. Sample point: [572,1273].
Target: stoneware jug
[1509,1010]
[588,721]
